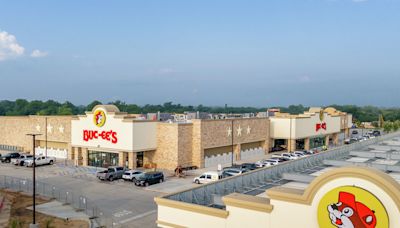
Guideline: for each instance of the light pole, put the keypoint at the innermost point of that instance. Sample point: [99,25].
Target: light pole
[34,225]
[232,142]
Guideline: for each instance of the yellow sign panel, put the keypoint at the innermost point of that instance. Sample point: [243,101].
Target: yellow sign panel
[99,118]
[351,207]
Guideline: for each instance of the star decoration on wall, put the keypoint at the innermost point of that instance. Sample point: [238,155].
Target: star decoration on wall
[248,130]
[38,127]
[239,131]
[61,129]
[49,128]
[229,130]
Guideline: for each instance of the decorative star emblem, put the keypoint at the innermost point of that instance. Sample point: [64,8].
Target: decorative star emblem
[38,127]
[49,128]
[229,131]
[61,129]
[248,130]
[239,131]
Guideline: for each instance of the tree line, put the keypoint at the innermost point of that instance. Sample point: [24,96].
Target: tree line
[23,107]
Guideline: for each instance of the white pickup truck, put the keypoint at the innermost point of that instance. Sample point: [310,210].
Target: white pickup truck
[40,160]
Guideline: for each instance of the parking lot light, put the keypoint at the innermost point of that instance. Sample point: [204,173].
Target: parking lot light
[34,225]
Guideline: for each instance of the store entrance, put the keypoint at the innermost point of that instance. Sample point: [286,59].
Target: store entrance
[102,159]
[139,159]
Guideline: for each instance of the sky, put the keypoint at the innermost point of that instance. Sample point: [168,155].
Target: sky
[241,53]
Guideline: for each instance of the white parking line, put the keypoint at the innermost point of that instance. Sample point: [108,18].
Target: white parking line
[137,217]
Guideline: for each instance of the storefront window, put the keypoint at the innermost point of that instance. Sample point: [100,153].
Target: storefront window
[102,159]
[317,142]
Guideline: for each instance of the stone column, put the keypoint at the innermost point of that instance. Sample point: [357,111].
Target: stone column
[77,156]
[327,137]
[132,160]
[121,159]
[291,145]
[307,143]
[85,156]
[265,145]
[71,153]
[236,151]
[335,137]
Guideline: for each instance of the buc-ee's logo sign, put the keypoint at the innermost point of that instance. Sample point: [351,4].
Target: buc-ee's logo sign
[322,124]
[99,119]
[351,207]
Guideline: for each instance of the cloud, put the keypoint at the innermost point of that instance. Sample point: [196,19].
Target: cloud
[304,78]
[359,1]
[38,54]
[9,47]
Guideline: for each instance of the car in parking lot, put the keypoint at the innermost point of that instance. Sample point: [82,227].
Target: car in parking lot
[39,160]
[146,179]
[233,171]
[208,177]
[111,174]
[376,133]
[290,156]
[131,175]
[248,166]
[7,158]
[354,132]
[299,154]
[21,159]
[277,148]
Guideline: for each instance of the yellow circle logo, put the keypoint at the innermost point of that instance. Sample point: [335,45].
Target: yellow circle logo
[351,207]
[99,118]
[321,115]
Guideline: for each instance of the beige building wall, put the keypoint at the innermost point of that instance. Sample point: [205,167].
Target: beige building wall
[13,130]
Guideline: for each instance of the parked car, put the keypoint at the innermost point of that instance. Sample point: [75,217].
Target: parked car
[39,160]
[111,174]
[7,158]
[308,152]
[21,160]
[234,171]
[131,175]
[248,166]
[149,178]
[299,154]
[354,132]
[277,148]
[208,177]
[376,133]
[279,158]
[271,162]
[290,156]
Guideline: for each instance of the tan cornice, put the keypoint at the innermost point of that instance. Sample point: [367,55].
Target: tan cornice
[162,223]
[248,202]
[191,207]
[380,179]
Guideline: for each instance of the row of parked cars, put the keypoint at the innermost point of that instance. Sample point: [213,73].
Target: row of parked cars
[238,169]
[22,159]
[138,177]
[368,135]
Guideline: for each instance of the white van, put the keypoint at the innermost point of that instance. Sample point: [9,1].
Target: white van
[208,177]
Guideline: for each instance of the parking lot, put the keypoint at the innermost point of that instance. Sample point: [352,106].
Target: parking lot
[127,204]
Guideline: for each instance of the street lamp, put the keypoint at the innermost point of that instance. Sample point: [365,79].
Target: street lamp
[34,225]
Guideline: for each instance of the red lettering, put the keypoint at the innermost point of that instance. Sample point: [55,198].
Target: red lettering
[114,137]
[106,135]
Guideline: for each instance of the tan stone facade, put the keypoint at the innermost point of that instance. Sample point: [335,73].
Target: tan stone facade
[13,131]
[185,144]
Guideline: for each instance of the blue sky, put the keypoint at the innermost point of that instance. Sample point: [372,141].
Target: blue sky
[256,53]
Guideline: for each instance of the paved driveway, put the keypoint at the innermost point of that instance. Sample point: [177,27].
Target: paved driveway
[129,205]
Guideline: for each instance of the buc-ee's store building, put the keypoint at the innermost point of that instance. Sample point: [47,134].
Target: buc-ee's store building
[106,137]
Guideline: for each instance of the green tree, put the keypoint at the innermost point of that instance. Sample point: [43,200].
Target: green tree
[90,106]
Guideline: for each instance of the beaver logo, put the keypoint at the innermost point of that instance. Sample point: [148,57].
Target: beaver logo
[99,118]
[348,213]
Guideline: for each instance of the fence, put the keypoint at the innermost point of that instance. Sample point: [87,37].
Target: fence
[208,194]
[77,201]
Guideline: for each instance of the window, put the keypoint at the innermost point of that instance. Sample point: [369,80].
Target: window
[120,168]
[202,176]
[209,177]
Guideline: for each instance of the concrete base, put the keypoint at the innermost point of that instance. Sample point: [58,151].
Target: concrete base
[33,225]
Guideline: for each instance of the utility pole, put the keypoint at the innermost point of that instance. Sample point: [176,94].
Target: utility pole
[34,225]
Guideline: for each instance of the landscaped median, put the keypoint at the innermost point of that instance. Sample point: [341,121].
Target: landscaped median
[15,208]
